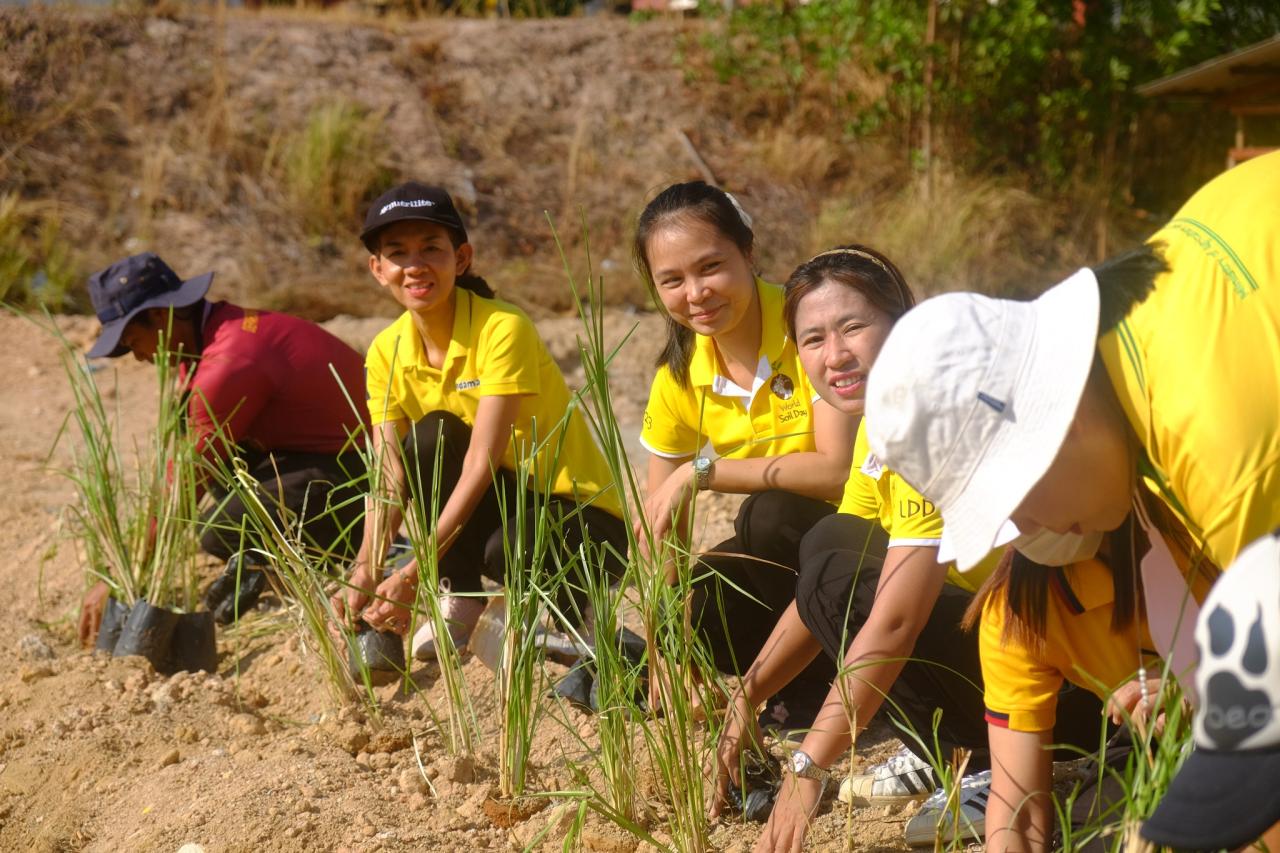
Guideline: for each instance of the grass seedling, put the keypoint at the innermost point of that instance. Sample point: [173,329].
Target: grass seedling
[133,518]
[685,683]
[421,515]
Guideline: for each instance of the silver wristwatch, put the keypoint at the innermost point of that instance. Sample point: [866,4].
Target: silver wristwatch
[702,466]
[802,766]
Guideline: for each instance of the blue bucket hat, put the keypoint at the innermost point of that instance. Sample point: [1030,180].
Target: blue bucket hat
[127,287]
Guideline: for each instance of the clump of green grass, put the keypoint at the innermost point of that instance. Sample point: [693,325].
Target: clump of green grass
[331,165]
[134,517]
[36,267]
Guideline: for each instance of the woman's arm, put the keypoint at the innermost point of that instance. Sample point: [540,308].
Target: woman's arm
[909,586]
[819,474]
[495,418]
[1019,811]
[383,515]
[788,650]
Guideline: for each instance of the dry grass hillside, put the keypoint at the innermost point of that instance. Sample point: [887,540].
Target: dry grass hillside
[249,144]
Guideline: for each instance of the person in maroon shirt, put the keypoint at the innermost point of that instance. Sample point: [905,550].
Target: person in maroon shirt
[263,386]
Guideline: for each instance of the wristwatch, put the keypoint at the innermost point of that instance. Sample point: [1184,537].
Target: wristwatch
[702,466]
[803,767]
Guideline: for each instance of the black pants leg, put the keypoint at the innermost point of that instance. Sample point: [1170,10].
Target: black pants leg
[570,526]
[478,550]
[841,562]
[447,435]
[325,492]
[751,579]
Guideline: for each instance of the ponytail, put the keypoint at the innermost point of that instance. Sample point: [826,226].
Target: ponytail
[474,283]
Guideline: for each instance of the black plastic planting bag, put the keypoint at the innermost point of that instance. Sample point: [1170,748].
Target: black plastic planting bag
[147,632]
[114,615]
[381,651]
[194,645]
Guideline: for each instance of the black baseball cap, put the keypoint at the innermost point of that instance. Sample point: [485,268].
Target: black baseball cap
[127,287]
[411,200]
[1227,792]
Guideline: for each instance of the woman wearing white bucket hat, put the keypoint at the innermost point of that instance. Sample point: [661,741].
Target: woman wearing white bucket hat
[1158,373]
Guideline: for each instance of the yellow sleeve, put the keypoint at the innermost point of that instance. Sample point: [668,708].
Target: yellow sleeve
[860,495]
[914,520]
[383,404]
[666,430]
[1020,689]
[508,355]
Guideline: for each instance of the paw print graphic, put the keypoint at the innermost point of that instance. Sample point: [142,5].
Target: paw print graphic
[1239,672]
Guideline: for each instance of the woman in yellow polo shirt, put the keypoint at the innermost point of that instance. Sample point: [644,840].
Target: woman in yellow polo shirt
[730,410]
[872,593]
[464,376]
[1041,626]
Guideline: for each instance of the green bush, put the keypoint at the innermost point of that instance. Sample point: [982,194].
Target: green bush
[331,165]
[36,268]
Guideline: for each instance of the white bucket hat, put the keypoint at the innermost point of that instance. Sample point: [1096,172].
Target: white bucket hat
[971,397]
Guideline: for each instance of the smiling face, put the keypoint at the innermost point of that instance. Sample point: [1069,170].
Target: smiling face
[703,279]
[418,264]
[839,333]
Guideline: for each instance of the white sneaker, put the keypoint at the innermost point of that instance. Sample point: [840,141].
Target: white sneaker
[461,613]
[904,778]
[934,823]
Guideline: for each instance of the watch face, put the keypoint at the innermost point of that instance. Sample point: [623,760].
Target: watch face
[799,761]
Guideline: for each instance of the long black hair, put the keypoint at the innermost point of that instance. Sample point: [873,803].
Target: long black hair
[1125,280]
[696,201]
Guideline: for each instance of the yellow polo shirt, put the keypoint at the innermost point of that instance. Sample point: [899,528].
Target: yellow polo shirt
[1196,366]
[494,351]
[909,518]
[1022,684]
[772,418]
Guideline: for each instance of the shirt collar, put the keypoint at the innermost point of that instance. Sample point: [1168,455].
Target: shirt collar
[414,352]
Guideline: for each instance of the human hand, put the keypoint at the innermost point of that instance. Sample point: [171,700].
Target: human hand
[664,504]
[741,731]
[798,800]
[1126,704]
[348,601]
[393,602]
[91,607]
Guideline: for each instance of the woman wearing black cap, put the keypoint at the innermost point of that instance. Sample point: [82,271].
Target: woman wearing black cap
[465,377]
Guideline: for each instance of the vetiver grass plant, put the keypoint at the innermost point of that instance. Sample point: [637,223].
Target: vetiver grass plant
[135,513]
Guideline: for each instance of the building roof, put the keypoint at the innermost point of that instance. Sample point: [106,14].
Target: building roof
[1228,77]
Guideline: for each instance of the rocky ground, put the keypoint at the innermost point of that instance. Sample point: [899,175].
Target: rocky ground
[104,754]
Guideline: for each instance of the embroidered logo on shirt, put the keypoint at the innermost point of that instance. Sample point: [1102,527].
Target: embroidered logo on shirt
[871,467]
[782,386]
[250,321]
[467,384]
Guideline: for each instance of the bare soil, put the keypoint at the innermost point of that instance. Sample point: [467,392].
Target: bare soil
[103,754]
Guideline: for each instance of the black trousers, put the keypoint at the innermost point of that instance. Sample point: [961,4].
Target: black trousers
[752,579]
[326,492]
[841,563]
[478,550]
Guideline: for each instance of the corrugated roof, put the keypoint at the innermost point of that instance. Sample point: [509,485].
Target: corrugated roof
[1222,75]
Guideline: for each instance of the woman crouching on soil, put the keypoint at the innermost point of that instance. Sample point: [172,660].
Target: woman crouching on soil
[729,377]
[871,593]
[1041,626]
[463,376]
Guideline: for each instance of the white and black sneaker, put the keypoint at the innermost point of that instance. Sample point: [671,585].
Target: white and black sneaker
[904,778]
[935,823]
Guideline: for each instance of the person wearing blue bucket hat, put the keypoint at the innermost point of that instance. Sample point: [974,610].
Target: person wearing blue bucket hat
[260,386]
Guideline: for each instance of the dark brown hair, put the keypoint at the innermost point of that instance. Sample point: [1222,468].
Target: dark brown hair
[695,201]
[858,267]
[1026,584]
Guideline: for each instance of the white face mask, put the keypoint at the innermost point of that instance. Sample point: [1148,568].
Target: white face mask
[1058,549]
